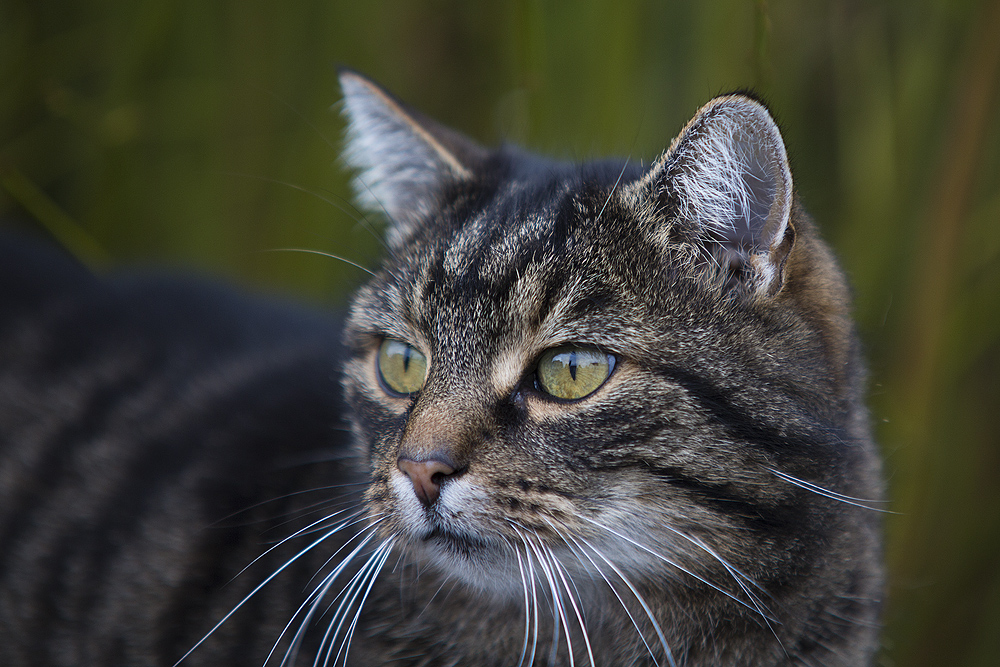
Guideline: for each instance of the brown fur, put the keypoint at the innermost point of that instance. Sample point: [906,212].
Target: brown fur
[736,364]
[713,503]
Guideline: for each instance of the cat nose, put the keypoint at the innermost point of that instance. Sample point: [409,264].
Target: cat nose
[426,477]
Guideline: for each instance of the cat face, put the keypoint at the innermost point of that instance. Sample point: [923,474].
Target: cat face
[604,373]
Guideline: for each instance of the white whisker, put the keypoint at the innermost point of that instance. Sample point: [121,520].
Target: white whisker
[527,608]
[755,605]
[642,602]
[561,621]
[357,614]
[300,532]
[259,586]
[827,493]
[332,556]
[613,188]
[298,511]
[614,590]
[323,254]
[576,548]
[346,596]
[314,598]
[739,578]
[561,571]
[534,605]
[673,564]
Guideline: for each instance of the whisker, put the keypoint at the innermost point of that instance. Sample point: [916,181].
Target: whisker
[527,610]
[561,571]
[563,616]
[739,578]
[313,527]
[430,600]
[555,597]
[642,602]
[347,595]
[367,575]
[346,592]
[614,590]
[301,116]
[316,596]
[613,188]
[368,528]
[323,254]
[285,496]
[757,605]
[358,179]
[534,603]
[559,607]
[322,455]
[577,550]
[364,598]
[670,562]
[347,208]
[261,585]
[827,493]
[314,508]
[312,601]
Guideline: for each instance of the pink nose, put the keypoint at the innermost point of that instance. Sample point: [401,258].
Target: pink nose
[426,477]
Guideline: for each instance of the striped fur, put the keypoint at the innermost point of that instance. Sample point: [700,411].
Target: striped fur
[714,502]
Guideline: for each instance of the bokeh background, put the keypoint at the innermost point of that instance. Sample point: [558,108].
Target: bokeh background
[204,135]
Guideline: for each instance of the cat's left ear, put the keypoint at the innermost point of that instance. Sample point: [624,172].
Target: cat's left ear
[403,159]
[727,188]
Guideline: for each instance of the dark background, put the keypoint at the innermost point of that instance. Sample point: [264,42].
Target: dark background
[200,135]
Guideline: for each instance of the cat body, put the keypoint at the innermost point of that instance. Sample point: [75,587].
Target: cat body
[584,414]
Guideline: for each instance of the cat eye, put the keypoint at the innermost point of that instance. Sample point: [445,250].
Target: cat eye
[402,368]
[572,372]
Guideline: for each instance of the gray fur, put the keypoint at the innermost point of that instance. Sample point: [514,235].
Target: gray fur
[713,503]
[678,499]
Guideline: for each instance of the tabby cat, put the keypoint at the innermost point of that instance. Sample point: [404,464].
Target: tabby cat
[597,414]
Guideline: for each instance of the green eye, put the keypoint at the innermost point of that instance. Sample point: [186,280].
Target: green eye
[571,372]
[402,368]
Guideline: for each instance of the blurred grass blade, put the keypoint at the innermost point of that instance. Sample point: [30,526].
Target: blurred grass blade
[55,221]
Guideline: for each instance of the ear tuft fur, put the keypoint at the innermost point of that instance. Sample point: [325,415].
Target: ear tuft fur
[727,183]
[403,159]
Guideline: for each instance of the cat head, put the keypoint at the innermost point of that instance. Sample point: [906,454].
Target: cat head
[622,369]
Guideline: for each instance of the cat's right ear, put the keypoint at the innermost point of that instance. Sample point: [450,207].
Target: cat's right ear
[403,159]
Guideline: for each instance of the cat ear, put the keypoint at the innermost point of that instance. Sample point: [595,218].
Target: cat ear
[726,182]
[403,159]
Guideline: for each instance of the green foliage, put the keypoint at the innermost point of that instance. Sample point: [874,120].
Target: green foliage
[200,134]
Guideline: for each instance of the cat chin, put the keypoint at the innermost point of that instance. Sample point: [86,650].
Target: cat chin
[481,567]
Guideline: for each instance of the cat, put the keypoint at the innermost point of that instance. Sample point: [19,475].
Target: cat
[590,414]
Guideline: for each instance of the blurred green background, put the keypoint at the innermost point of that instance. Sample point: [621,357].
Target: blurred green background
[200,135]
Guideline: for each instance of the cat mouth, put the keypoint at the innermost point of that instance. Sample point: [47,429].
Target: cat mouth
[461,543]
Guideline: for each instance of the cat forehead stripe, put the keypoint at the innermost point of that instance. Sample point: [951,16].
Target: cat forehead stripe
[506,229]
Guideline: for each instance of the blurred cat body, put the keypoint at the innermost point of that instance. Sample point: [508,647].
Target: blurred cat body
[705,500]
